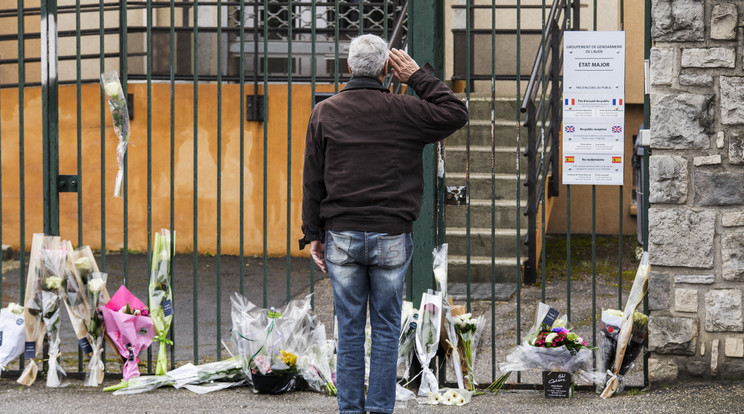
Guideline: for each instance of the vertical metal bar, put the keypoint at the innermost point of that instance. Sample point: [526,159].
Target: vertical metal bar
[518,178]
[265,142]
[50,115]
[360,11]
[421,31]
[21,156]
[241,116]
[290,23]
[620,252]
[78,145]
[148,52]
[219,180]
[102,122]
[594,264]
[493,189]
[172,74]
[195,253]
[313,70]
[335,47]
[124,62]
[543,88]
[468,52]
[568,252]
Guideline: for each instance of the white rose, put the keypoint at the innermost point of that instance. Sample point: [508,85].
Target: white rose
[82,263]
[113,89]
[96,285]
[15,308]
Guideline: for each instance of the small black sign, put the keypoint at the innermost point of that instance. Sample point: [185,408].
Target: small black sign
[550,317]
[85,346]
[167,308]
[30,350]
[557,384]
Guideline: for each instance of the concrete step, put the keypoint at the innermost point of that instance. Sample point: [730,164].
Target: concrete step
[505,269]
[504,241]
[481,188]
[505,214]
[504,158]
[479,133]
[479,107]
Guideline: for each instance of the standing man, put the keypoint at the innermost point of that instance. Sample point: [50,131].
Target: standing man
[362,189]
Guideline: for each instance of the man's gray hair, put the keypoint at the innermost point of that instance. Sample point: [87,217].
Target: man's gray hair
[367,56]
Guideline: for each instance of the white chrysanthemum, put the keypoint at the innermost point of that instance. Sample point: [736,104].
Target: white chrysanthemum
[434,398]
[15,308]
[550,337]
[53,282]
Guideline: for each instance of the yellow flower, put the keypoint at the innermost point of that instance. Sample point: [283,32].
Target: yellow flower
[289,358]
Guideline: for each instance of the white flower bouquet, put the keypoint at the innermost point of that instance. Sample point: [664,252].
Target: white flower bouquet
[117,102]
[161,296]
[469,331]
[12,334]
[427,339]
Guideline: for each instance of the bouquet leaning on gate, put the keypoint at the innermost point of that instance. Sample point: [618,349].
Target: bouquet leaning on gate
[161,296]
[130,327]
[550,346]
[52,288]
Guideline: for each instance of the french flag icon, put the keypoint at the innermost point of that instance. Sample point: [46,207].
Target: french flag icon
[569,102]
[617,101]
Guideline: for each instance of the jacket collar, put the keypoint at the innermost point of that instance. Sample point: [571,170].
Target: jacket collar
[361,82]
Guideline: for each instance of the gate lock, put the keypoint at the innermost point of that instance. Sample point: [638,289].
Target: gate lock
[67,183]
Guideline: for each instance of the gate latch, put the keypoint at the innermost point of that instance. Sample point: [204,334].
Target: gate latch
[67,183]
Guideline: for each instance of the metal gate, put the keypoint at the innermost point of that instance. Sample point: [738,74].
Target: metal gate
[219,96]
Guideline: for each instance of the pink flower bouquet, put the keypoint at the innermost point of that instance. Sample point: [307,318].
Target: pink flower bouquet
[129,326]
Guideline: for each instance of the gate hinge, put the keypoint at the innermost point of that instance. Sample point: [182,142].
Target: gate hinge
[67,183]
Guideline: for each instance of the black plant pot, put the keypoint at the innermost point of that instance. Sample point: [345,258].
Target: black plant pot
[273,383]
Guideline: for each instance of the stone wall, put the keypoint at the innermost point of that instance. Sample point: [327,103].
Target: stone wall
[696,219]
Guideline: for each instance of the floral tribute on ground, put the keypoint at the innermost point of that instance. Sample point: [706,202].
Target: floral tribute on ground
[550,346]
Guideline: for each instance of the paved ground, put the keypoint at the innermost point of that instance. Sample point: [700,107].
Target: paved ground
[682,398]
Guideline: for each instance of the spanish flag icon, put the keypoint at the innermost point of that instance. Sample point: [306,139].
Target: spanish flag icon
[617,160]
[569,158]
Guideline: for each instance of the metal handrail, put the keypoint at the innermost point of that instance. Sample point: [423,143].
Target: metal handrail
[542,97]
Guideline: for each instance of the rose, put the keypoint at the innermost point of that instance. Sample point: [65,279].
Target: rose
[83,263]
[113,89]
[96,285]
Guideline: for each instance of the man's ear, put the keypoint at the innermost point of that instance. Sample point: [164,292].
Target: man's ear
[349,67]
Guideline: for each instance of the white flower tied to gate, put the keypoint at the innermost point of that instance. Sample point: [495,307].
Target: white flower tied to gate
[120,116]
[96,285]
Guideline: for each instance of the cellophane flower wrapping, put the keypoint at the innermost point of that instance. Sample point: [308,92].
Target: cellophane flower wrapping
[76,301]
[449,344]
[288,343]
[117,102]
[634,325]
[469,330]
[53,286]
[551,346]
[32,316]
[161,295]
[94,289]
[12,334]
[427,339]
[407,338]
[129,328]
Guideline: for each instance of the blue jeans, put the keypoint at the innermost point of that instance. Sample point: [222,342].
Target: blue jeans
[366,265]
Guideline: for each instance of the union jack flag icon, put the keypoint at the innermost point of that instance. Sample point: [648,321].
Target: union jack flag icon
[570,128]
[617,129]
